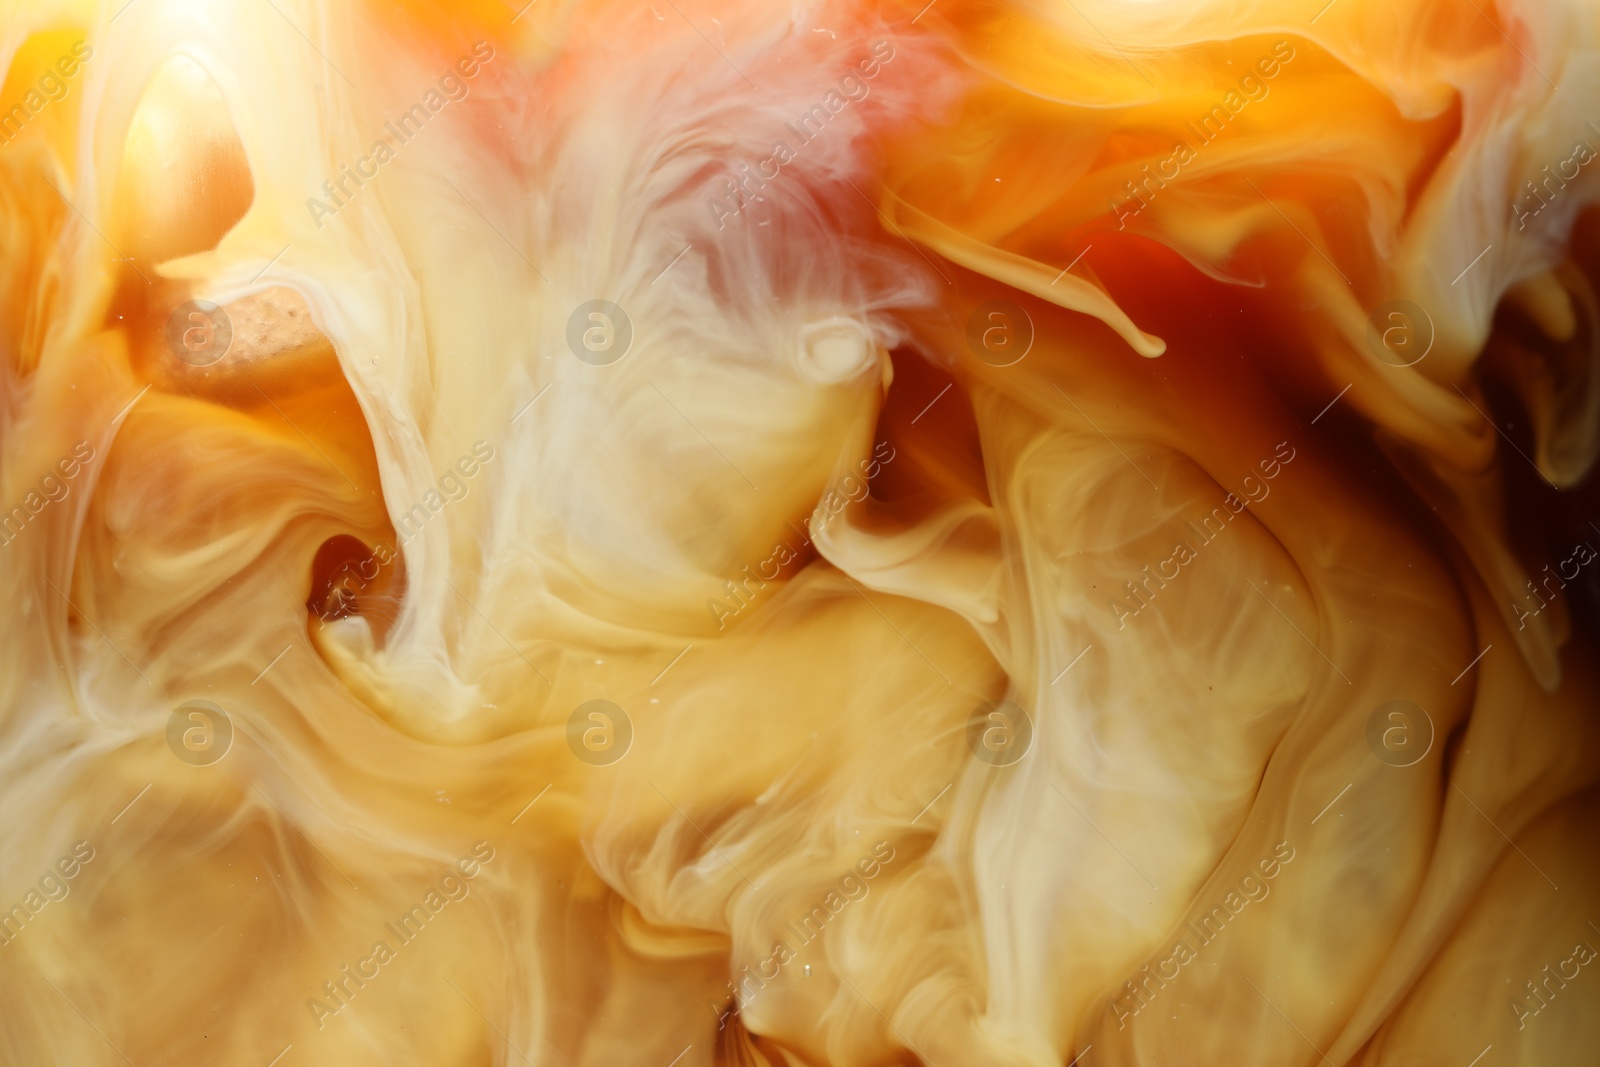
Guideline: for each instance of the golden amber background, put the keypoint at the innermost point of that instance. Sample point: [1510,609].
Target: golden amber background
[685,532]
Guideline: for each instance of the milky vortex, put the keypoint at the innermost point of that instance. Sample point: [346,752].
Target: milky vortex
[714,532]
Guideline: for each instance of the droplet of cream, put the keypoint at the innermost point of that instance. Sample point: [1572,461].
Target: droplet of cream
[835,350]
